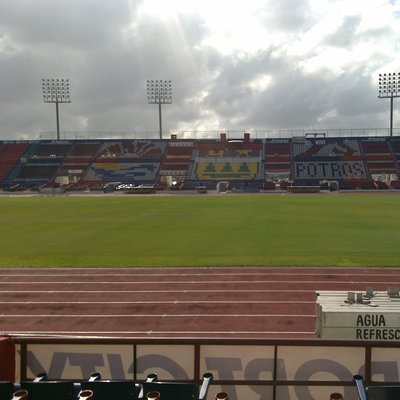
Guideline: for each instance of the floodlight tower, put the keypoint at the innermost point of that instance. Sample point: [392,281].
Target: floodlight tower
[56,91]
[389,87]
[159,92]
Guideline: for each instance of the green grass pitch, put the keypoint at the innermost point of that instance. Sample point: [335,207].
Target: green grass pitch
[222,230]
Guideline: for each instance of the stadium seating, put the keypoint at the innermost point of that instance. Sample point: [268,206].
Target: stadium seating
[379,156]
[122,172]
[326,148]
[98,389]
[112,389]
[84,149]
[6,390]
[177,159]
[177,153]
[132,149]
[34,176]
[329,159]
[237,162]
[394,145]
[381,392]
[178,390]
[51,150]
[129,390]
[278,162]
[10,155]
[227,171]
[375,147]
[43,390]
[366,163]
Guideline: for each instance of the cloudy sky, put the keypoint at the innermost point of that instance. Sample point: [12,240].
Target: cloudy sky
[235,65]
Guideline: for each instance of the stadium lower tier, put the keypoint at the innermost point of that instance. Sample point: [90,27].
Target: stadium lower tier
[250,164]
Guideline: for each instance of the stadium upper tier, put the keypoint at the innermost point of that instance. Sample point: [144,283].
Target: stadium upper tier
[354,163]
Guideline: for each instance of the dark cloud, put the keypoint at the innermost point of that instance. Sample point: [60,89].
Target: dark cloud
[294,98]
[346,33]
[109,48]
[74,23]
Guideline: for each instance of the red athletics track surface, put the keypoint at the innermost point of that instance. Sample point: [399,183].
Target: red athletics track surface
[174,302]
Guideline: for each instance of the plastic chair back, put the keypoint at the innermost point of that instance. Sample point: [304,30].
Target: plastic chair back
[379,392]
[49,390]
[6,390]
[110,389]
[173,390]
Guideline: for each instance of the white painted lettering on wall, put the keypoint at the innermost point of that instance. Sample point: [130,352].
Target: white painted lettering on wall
[329,170]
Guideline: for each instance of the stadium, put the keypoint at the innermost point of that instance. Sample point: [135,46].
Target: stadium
[238,164]
[245,249]
[237,312]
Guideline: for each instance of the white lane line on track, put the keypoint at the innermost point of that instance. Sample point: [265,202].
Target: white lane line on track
[164,291]
[207,282]
[153,315]
[58,333]
[393,272]
[287,269]
[161,302]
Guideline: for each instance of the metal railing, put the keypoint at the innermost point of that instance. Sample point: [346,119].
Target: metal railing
[232,134]
[245,368]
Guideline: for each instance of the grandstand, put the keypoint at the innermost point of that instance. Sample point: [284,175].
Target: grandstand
[247,164]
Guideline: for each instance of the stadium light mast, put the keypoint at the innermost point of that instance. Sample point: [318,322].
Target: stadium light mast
[389,87]
[159,92]
[56,91]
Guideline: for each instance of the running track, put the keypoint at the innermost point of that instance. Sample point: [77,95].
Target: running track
[174,302]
